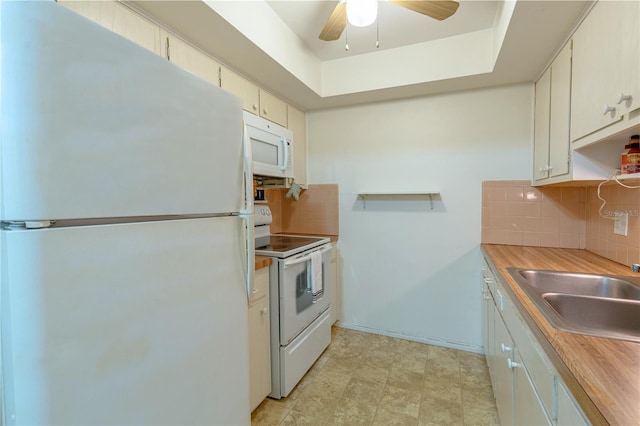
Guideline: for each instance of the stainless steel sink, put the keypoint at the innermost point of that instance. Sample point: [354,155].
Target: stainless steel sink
[596,305]
[580,284]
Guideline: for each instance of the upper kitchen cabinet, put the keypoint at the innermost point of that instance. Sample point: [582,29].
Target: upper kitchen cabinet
[254,99]
[298,125]
[121,20]
[552,111]
[272,108]
[606,69]
[242,88]
[189,58]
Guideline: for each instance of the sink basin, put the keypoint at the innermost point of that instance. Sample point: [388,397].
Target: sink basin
[614,317]
[580,284]
[596,305]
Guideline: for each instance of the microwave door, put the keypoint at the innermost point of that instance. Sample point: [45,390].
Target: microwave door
[270,153]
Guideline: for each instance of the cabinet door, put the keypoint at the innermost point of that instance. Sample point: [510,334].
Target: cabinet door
[134,27]
[100,12]
[560,111]
[191,59]
[121,20]
[335,292]
[503,385]
[605,64]
[259,341]
[298,125]
[273,108]
[259,353]
[528,409]
[487,325]
[242,88]
[541,127]
[568,412]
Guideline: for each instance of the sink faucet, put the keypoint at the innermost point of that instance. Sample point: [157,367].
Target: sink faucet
[635,267]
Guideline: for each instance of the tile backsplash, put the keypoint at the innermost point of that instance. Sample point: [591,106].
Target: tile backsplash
[600,236]
[514,212]
[316,211]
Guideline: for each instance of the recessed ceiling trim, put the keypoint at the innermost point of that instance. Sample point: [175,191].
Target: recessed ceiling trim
[264,28]
[453,57]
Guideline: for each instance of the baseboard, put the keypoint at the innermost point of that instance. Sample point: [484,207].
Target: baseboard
[429,341]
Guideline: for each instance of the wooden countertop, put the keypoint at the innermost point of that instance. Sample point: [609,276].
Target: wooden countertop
[603,374]
[263,262]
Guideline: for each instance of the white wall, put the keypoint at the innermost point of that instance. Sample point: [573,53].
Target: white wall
[409,271]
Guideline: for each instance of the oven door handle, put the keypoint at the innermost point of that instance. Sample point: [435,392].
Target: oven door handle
[303,259]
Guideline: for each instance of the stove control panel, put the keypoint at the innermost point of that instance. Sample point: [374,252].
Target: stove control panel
[262,215]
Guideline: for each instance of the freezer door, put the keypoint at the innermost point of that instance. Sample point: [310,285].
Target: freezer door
[95,126]
[140,324]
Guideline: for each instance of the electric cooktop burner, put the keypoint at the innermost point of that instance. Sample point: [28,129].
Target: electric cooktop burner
[289,245]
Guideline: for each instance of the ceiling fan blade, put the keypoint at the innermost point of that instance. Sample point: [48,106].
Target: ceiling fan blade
[437,9]
[336,23]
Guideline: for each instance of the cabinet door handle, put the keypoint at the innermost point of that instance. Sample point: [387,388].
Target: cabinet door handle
[607,109]
[265,111]
[264,310]
[505,348]
[622,97]
[255,107]
[513,364]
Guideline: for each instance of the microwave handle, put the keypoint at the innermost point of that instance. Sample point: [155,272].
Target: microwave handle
[285,148]
[304,258]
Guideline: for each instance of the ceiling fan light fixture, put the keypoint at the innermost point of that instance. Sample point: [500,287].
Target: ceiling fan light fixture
[361,13]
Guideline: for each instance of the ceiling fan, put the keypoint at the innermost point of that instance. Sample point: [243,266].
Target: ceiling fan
[437,9]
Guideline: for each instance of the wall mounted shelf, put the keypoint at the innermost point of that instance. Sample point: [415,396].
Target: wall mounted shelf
[400,194]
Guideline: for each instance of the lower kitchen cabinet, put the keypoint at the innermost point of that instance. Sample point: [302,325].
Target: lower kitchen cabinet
[503,371]
[528,410]
[568,411]
[259,340]
[527,388]
[335,285]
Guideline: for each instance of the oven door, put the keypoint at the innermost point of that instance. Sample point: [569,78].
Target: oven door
[298,306]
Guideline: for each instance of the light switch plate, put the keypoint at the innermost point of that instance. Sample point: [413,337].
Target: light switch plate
[621,223]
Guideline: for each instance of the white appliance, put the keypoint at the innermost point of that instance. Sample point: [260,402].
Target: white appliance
[127,233]
[271,147]
[300,298]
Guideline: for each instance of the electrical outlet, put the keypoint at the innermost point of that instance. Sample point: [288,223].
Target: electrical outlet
[621,223]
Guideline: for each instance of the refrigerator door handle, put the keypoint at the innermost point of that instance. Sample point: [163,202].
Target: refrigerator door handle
[248,172]
[250,244]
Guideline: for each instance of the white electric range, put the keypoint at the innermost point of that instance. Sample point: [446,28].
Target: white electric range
[299,296]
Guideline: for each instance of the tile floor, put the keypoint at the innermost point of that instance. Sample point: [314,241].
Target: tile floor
[369,379]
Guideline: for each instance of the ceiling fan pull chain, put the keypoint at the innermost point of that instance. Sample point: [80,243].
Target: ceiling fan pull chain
[346,38]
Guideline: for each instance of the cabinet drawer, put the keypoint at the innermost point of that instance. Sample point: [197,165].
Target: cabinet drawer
[260,285]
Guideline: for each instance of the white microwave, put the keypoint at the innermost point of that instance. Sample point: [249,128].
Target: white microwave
[271,147]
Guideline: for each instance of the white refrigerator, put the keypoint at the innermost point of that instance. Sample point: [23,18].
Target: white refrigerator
[127,232]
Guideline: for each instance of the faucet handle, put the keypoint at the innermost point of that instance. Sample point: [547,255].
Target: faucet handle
[635,267]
